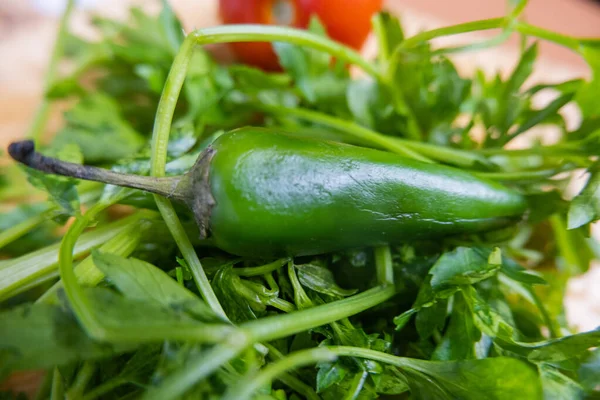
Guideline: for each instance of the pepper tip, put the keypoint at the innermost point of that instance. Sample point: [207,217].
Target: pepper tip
[20,151]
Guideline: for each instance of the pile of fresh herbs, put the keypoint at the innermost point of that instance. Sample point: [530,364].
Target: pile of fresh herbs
[125,302]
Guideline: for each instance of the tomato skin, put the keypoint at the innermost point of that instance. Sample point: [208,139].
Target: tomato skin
[250,12]
[348,22]
[345,21]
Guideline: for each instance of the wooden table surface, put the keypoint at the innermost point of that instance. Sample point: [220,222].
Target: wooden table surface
[28,27]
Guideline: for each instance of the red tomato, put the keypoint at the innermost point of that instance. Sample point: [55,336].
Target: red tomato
[346,21]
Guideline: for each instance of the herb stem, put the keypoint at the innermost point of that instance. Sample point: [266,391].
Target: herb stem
[359,132]
[417,150]
[199,367]
[43,390]
[448,155]
[485,24]
[301,299]
[41,114]
[524,28]
[566,247]
[304,390]
[356,386]
[58,388]
[554,150]
[80,303]
[545,316]
[282,305]
[283,325]
[123,244]
[521,175]
[263,269]
[84,375]
[246,388]
[555,37]
[384,265]
[103,388]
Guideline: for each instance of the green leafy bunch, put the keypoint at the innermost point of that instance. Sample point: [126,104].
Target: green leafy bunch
[126,302]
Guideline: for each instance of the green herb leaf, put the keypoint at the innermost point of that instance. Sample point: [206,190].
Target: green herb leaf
[330,374]
[587,95]
[558,386]
[464,266]
[471,379]
[389,34]
[426,298]
[62,191]
[227,286]
[589,371]
[319,83]
[140,280]
[96,126]
[321,280]
[564,348]
[42,336]
[125,320]
[391,381]
[585,207]
[461,337]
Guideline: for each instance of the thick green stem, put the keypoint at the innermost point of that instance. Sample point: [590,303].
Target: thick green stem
[283,325]
[160,140]
[79,302]
[271,33]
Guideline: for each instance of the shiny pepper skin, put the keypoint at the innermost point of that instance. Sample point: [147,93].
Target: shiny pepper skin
[282,195]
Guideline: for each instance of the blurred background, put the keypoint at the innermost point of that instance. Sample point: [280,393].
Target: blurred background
[28,29]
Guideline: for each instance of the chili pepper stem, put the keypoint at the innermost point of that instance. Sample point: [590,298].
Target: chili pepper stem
[24,152]
[191,188]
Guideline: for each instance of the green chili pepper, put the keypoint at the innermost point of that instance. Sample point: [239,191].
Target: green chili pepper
[259,193]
